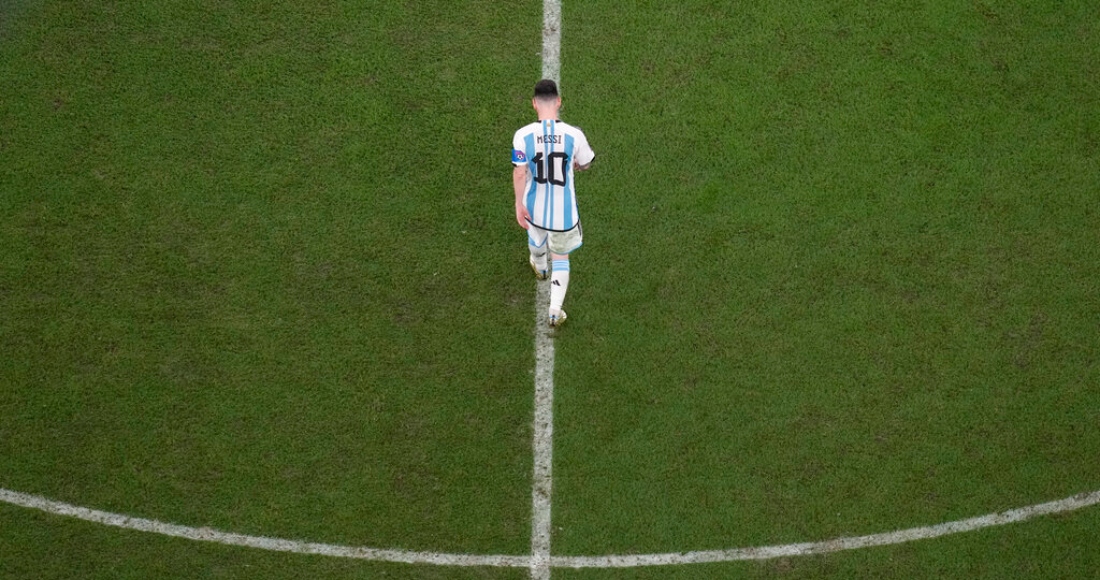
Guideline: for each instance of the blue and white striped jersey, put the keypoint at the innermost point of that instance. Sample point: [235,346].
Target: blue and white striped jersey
[549,149]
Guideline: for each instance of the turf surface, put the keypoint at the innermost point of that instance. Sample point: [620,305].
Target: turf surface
[260,273]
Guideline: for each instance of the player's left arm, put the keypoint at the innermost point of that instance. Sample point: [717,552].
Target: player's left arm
[584,157]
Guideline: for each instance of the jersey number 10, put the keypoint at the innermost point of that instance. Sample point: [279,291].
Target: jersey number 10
[550,168]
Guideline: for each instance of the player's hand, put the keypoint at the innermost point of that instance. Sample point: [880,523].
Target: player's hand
[522,216]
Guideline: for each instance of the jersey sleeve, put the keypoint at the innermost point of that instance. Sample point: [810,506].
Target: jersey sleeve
[519,157]
[583,155]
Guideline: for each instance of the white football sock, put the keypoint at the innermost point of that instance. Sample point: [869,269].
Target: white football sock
[559,283]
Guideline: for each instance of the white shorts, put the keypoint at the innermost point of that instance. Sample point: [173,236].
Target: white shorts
[559,242]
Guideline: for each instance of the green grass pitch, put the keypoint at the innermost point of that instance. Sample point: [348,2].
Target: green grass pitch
[259,272]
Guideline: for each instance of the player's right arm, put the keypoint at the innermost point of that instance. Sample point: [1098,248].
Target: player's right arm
[519,178]
[519,184]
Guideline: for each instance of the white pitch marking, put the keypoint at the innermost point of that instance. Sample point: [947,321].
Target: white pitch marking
[850,543]
[542,481]
[263,543]
[551,40]
[544,441]
[1068,504]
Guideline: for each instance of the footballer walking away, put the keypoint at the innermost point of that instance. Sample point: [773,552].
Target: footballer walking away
[544,156]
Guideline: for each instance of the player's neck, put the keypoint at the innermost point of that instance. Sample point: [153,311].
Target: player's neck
[547,113]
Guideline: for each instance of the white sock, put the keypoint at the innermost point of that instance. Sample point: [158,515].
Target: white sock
[559,283]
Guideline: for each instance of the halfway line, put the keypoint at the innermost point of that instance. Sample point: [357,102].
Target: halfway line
[544,351]
[551,40]
[544,440]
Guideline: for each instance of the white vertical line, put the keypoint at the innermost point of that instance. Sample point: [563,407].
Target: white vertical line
[544,351]
[544,440]
[551,40]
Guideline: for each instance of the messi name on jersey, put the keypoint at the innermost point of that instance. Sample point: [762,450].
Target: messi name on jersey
[548,139]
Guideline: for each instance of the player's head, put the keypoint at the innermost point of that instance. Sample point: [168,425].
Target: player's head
[547,101]
[546,90]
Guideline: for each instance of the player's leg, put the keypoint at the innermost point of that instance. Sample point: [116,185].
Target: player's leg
[559,284]
[561,244]
[536,244]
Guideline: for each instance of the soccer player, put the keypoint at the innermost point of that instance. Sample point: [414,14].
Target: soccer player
[544,156]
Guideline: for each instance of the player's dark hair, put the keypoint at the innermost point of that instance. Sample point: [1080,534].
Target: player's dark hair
[546,89]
